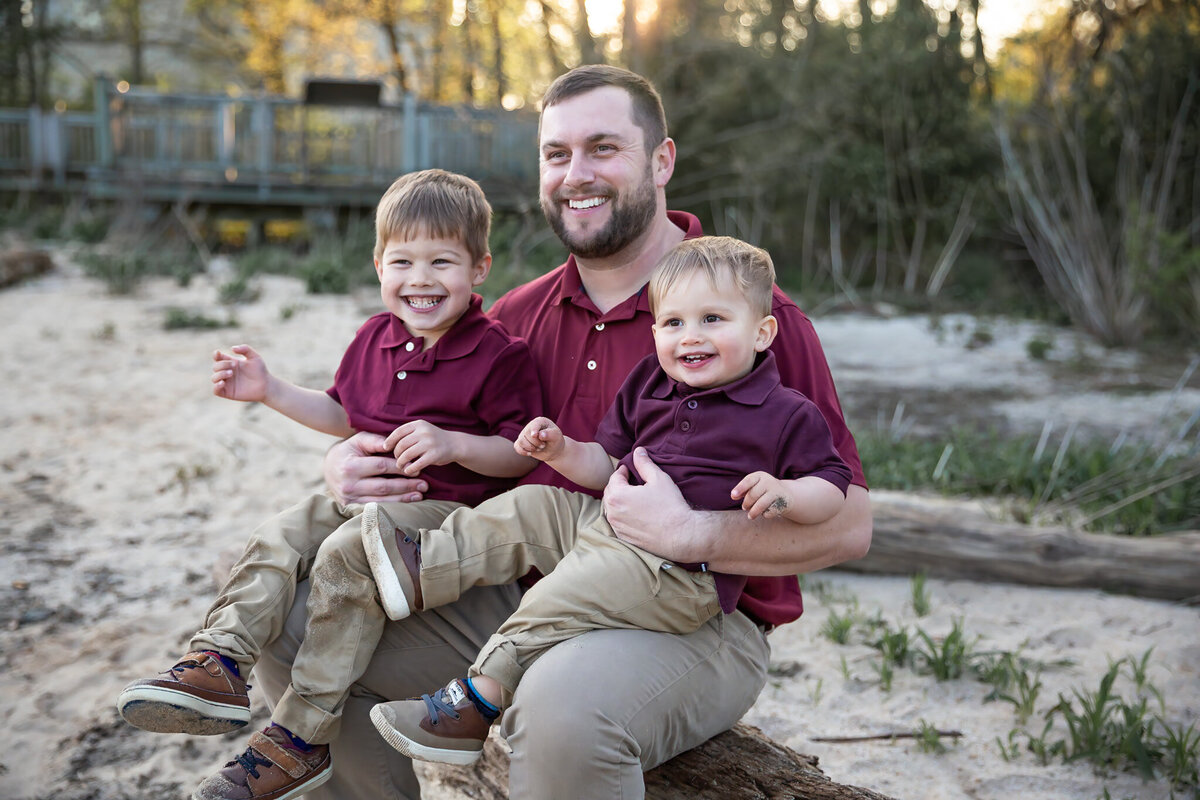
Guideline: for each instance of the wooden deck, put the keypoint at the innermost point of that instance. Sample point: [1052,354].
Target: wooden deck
[269,151]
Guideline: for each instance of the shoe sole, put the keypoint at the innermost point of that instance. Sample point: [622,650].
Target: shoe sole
[312,783]
[398,741]
[159,710]
[375,527]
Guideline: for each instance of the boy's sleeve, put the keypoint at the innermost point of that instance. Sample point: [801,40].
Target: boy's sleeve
[806,449]
[511,394]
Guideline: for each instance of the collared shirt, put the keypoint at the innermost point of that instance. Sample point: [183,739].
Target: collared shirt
[708,440]
[583,357]
[476,379]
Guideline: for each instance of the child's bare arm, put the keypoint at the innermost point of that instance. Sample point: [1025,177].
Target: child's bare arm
[244,376]
[584,463]
[809,500]
[420,444]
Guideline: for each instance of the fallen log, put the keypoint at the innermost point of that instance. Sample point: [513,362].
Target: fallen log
[741,763]
[949,542]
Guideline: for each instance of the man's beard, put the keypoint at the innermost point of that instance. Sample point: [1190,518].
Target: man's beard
[630,218]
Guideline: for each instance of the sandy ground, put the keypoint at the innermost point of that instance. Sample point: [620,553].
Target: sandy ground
[121,478]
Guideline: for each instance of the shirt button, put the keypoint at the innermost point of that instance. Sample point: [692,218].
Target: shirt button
[591,365]
[685,425]
[401,375]
[409,347]
[692,404]
[600,326]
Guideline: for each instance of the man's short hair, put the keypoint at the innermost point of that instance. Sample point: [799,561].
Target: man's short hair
[648,111]
[437,204]
[718,257]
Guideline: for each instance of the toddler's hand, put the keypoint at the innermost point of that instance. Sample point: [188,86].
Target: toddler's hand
[762,495]
[241,376]
[541,439]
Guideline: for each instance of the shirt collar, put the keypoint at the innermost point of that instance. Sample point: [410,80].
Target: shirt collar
[749,390]
[462,338]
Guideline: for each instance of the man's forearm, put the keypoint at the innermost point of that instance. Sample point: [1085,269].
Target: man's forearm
[729,542]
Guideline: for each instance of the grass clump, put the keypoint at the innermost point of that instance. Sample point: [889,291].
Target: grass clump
[1124,490]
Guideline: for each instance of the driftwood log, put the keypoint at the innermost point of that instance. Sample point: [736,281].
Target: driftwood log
[740,764]
[18,264]
[950,543]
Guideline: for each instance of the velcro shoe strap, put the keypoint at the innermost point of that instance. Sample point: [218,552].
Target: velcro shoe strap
[278,754]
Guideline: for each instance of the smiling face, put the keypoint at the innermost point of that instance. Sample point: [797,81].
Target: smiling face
[600,188]
[427,282]
[707,334]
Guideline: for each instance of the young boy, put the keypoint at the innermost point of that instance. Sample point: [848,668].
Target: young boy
[709,408]
[450,390]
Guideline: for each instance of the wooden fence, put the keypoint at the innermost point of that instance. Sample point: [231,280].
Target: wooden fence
[259,150]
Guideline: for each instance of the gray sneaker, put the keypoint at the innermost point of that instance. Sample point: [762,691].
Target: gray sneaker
[198,696]
[445,727]
[395,559]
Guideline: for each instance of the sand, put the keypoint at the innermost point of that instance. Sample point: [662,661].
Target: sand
[122,478]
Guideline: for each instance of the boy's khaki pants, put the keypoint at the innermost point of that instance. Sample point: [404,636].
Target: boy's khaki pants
[320,539]
[601,583]
[593,580]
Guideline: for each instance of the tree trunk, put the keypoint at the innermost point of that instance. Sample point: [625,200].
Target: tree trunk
[951,543]
[741,763]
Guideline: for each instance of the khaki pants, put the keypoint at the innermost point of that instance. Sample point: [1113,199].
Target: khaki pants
[587,720]
[319,538]
[593,580]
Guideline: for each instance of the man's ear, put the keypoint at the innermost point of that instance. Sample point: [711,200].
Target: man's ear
[482,267]
[663,162]
[768,328]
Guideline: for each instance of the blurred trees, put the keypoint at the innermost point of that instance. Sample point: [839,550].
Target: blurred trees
[877,153]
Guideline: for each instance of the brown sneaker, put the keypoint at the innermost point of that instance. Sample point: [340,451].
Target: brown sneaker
[395,559]
[197,696]
[445,727]
[272,768]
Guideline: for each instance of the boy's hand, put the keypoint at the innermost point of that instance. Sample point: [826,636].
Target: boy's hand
[241,376]
[419,444]
[762,495]
[541,439]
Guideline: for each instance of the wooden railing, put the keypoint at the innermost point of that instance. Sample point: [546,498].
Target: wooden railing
[259,150]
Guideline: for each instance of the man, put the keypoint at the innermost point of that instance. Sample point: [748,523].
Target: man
[605,161]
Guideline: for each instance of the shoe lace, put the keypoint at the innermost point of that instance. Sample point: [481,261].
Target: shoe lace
[436,705]
[182,665]
[251,761]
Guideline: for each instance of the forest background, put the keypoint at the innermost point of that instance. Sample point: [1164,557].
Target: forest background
[891,154]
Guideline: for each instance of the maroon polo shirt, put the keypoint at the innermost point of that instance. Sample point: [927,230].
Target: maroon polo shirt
[584,356]
[707,440]
[476,379]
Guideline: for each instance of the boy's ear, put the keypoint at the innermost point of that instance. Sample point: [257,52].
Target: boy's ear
[482,268]
[378,269]
[768,327]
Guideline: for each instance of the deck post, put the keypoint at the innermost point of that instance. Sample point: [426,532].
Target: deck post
[104,145]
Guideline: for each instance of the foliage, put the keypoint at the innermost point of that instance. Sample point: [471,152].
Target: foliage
[1132,490]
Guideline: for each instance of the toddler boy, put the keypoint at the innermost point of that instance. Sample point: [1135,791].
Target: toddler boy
[449,389]
[709,409]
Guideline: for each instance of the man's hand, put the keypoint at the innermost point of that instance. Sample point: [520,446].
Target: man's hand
[420,444]
[241,376]
[361,470]
[541,439]
[653,516]
[762,495]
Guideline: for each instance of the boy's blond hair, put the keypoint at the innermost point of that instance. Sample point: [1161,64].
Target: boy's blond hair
[749,268]
[437,204]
